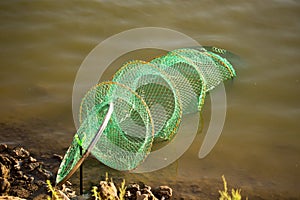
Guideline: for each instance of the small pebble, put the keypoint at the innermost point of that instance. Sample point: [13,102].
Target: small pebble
[25,177]
[133,188]
[31,159]
[17,166]
[4,171]
[4,186]
[59,157]
[140,196]
[108,190]
[19,174]
[163,192]
[21,152]
[5,160]
[33,166]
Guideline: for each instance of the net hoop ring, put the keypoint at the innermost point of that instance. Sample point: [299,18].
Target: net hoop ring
[90,147]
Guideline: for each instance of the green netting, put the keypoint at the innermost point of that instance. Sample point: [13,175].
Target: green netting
[209,64]
[128,136]
[149,99]
[159,93]
[187,77]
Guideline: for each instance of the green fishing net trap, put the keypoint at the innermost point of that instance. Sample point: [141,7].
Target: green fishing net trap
[143,104]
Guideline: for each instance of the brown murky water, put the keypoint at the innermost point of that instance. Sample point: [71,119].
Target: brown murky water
[44,42]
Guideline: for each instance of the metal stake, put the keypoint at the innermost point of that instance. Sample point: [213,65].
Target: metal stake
[80,174]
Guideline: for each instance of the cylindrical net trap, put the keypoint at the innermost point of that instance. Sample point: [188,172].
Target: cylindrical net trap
[143,104]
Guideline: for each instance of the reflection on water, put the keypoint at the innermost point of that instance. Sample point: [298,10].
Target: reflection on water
[44,42]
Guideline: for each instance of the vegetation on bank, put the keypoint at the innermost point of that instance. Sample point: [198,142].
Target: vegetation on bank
[23,176]
[107,190]
[234,195]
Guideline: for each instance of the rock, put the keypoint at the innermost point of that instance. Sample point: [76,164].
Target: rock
[30,179]
[59,157]
[108,190]
[68,191]
[140,196]
[147,191]
[4,186]
[18,165]
[19,174]
[163,192]
[128,195]
[25,177]
[4,172]
[139,191]
[133,188]
[31,159]
[13,160]
[4,159]
[68,183]
[33,166]
[21,152]
[147,187]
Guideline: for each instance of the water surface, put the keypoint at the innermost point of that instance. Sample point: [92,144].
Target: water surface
[44,42]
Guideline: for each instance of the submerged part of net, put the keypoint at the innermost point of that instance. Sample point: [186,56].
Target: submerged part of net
[149,99]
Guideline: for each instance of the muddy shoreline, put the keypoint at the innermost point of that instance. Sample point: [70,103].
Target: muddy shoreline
[24,175]
[46,162]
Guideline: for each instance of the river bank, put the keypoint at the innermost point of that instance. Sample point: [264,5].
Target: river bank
[24,175]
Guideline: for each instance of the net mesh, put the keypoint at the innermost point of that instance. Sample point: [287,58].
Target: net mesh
[128,136]
[149,99]
[150,82]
